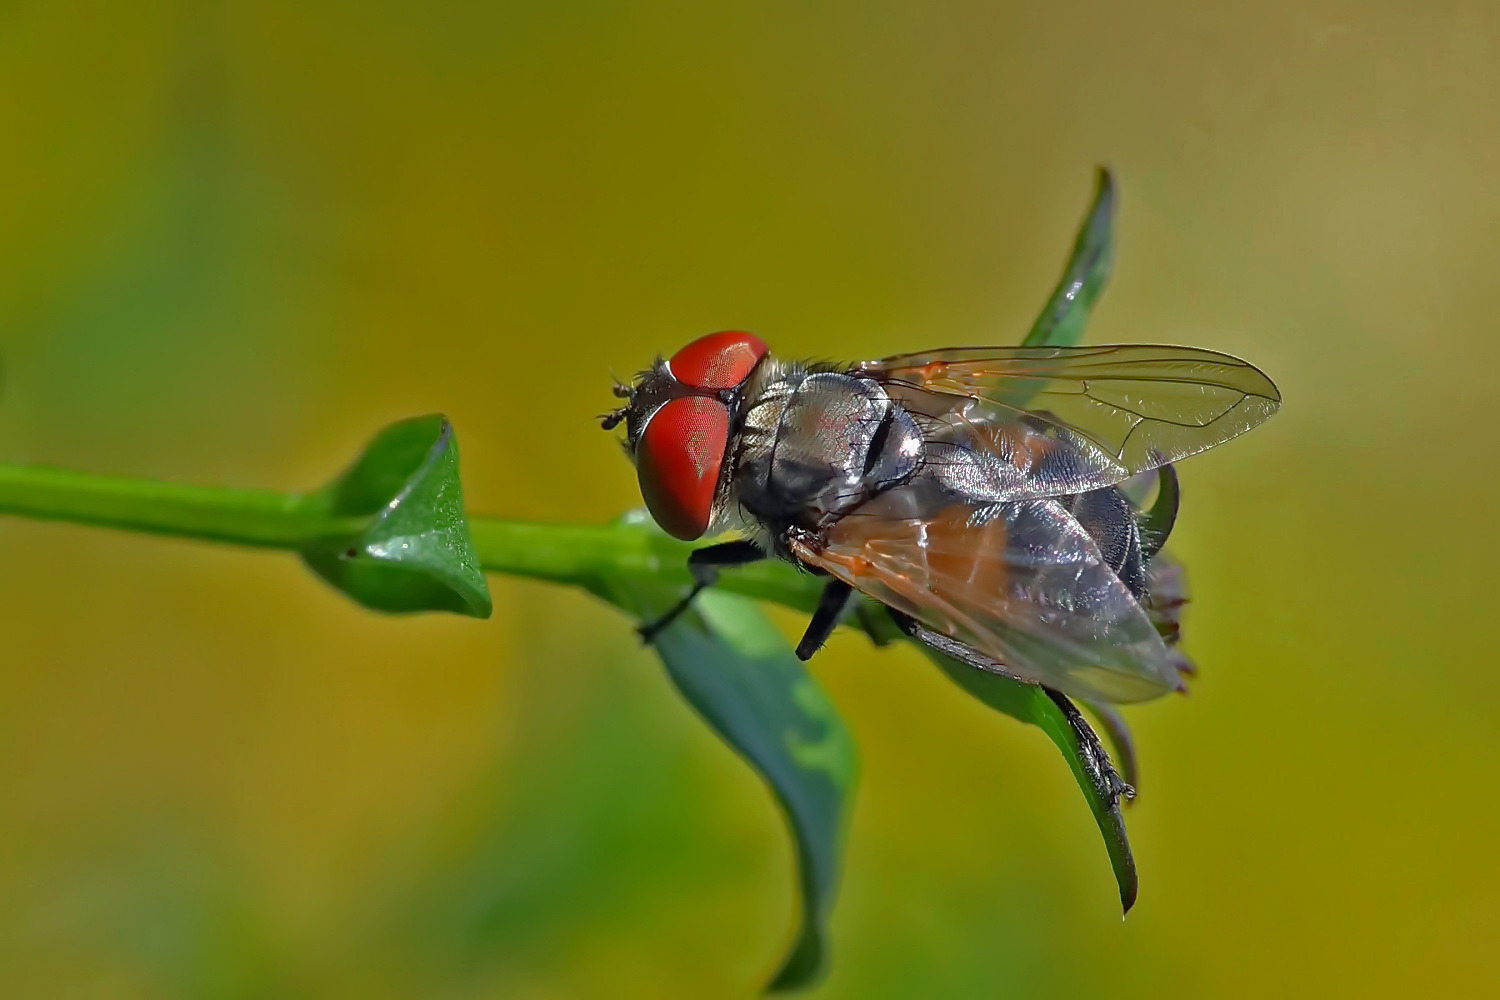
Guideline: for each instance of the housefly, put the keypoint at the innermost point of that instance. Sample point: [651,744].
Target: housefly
[983,495]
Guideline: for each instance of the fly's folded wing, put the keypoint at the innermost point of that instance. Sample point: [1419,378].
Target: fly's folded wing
[1021,582]
[1072,419]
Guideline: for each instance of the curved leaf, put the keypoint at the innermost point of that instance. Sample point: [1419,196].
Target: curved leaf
[409,548]
[1030,703]
[1067,310]
[738,673]
[1157,521]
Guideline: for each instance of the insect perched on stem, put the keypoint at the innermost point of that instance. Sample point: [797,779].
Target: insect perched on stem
[977,492]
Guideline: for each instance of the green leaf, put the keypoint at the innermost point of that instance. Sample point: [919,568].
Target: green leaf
[1067,311]
[738,673]
[1030,703]
[410,548]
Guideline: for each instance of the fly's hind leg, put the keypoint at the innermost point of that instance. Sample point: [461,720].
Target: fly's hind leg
[1102,774]
[704,564]
[949,646]
[1112,724]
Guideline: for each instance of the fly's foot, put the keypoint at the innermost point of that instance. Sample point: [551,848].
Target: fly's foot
[1096,763]
[1119,788]
[648,631]
[1100,768]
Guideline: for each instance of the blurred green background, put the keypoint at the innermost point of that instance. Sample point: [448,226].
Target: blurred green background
[235,239]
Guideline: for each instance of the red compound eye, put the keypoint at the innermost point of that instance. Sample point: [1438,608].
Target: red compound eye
[677,461]
[717,361]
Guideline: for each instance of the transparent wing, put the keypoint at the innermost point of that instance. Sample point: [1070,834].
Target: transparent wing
[1070,419]
[1022,583]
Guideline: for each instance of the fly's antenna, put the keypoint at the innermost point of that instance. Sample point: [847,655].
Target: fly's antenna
[609,421]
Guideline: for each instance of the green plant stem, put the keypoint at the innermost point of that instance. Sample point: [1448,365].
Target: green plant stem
[581,554]
[260,518]
[560,553]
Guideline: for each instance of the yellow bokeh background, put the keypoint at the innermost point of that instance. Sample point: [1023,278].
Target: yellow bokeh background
[235,239]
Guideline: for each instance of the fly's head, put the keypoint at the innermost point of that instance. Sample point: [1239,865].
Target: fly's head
[678,417]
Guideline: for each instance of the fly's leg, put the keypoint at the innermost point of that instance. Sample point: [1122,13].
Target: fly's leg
[948,646]
[831,607]
[1102,774]
[1113,725]
[704,564]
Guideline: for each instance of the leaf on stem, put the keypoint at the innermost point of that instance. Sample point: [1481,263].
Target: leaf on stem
[738,673]
[414,553]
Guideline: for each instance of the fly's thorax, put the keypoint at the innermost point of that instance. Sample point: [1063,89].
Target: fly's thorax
[814,444]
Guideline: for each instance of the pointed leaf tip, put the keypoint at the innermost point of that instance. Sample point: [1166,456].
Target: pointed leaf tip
[1066,313]
[411,550]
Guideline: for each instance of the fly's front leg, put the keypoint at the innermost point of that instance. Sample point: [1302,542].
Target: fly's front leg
[704,564]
